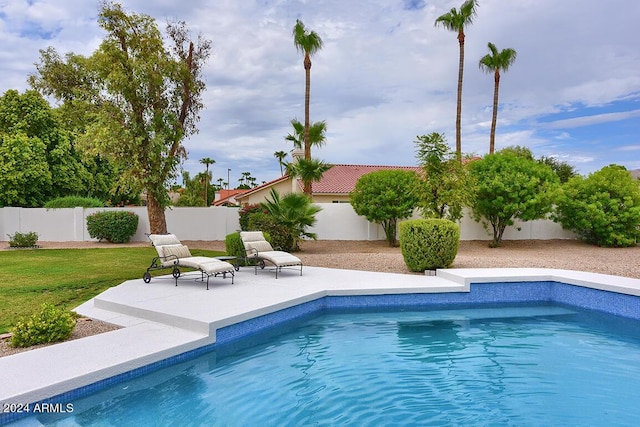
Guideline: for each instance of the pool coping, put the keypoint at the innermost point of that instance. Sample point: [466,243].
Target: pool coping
[162,321]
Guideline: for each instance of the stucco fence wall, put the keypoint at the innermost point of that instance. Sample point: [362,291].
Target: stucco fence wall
[336,221]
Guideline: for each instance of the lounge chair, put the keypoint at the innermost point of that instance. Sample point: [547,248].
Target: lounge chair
[259,250]
[173,254]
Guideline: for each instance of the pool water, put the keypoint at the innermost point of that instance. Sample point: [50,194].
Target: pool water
[527,365]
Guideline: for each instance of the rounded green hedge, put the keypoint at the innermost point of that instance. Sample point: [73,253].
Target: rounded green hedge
[112,226]
[427,244]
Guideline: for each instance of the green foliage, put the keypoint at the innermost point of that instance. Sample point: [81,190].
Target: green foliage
[509,187]
[23,240]
[386,196]
[25,179]
[427,244]
[113,226]
[74,202]
[445,187]
[602,209]
[245,213]
[194,188]
[296,213]
[563,169]
[49,325]
[281,236]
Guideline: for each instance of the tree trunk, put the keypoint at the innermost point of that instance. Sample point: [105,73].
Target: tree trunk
[459,102]
[307,95]
[494,119]
[155,211]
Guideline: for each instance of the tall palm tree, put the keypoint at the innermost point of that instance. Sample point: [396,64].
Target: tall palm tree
[308,42]
[456,20]
[280,155]
[207,161]
[494,62]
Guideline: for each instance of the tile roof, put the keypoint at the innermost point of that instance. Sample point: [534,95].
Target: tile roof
[341,179]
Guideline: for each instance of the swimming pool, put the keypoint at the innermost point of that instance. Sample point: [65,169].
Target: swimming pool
[514,364]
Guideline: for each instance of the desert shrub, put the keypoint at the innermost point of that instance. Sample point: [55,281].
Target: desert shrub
[602,209]
[234,246]
[23,240]
[245,213]
[51,324]
[113,226]
[74,202]
[427,244]
[280,236]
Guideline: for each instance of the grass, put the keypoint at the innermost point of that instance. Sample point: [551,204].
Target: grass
[66,277]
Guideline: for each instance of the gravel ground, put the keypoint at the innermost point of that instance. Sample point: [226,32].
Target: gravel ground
[378,256]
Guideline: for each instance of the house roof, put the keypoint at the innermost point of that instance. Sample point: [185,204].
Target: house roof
[340,179]
[227,195]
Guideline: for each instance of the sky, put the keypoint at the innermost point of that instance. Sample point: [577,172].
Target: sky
[385,75]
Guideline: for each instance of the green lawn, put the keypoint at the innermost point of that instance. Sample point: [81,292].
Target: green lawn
[66,277]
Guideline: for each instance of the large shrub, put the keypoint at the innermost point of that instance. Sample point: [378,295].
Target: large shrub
[51,324]
[603,209]
[73,202]
[280,235]
[427,244]
[386,196]
[113,226]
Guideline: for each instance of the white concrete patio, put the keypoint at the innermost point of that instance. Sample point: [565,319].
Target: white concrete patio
[162,320]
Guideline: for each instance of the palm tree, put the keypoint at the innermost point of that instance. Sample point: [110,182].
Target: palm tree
[308,171]
[494,62]
[308,42]
[280,155]
[311,170]
[457,20]
[207,161]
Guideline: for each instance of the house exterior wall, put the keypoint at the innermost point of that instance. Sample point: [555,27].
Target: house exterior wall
[259,196]
[336,221]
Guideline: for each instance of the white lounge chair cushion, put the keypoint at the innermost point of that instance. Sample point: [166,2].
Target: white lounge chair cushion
[208,265]
[280,258]
[180,251]
[164,239]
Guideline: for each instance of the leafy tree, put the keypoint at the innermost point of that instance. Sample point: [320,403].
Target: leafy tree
[384,197]
[509,187]
[519,151]
[564,170]
[295,211]
[193,189]
[456,20]
[207,161]
[144,98]
[24,174]
[445,187]
[602,209]
[493,62]
[280,155]
[307,42]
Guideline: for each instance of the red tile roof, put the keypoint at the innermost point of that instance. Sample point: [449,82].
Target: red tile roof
[227,195]
[341,179]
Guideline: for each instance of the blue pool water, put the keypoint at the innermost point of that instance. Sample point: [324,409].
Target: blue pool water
[526,365]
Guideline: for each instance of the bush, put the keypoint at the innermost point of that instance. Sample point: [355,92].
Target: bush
[234,246]
[602,209]
[74,202]
[50,325]
[113,226]
[427,244]
[281,236]
[23,240]
[245,214]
